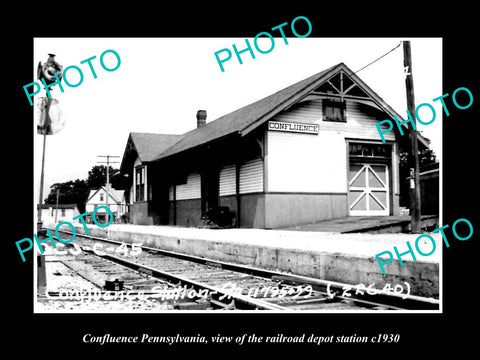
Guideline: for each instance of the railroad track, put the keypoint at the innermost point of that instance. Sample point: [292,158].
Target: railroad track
[191,282]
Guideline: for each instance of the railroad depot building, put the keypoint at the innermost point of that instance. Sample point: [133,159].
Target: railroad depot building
[306,153]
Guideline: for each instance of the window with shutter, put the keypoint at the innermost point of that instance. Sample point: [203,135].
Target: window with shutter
[139,184]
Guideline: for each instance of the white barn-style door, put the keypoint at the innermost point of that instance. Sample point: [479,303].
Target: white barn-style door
[368,190]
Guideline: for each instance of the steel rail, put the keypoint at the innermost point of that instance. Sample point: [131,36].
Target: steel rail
[374,299]
[213,290]
[242,300]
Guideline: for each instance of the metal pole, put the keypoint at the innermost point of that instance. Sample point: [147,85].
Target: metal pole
[40,197]
[46,121]
[414,161]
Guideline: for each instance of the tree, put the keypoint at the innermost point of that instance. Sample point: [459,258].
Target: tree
[70,192]
[425,157]
[97,176]
[76,192]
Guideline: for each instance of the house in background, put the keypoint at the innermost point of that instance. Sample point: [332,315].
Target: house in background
[52,213]
[106,196]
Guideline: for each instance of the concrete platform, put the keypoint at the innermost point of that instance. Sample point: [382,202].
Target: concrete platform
[332,256]
[370,224]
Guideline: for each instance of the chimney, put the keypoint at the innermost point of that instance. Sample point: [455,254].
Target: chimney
[201,118]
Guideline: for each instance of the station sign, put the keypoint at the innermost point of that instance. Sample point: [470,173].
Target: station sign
[294,127]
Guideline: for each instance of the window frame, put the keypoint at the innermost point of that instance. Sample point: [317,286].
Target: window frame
[330,107]
[140,183]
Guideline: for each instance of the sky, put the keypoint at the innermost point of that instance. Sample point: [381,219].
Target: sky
[161,83]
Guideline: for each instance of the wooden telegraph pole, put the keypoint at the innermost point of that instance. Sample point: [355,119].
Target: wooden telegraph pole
[56,205]
[413,158]
[107,184]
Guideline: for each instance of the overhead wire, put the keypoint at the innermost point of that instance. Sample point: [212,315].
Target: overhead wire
[374,61]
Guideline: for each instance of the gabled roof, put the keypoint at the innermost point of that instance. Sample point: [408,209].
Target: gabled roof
[152,147]
[240,121]
[147,146]
[249,117]
[115,195]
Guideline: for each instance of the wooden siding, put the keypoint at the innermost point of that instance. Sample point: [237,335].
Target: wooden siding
[361,119]
[227,180]
[306,163]
[251,176]
[190,190]
[318,163]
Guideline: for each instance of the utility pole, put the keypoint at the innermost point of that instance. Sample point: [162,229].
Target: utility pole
[56,205]
[107,184]
[42,175]
[413,158]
